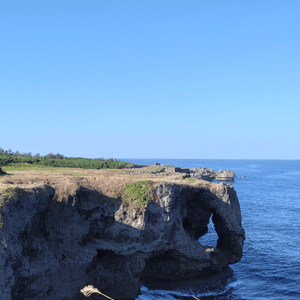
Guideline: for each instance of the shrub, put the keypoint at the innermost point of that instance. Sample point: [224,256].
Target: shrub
[137,192]
[58,160]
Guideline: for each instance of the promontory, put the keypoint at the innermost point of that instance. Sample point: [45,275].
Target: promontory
[64,229]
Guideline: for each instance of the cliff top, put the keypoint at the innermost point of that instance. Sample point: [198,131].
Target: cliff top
[109,182]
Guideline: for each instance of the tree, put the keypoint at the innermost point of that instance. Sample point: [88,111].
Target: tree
[50,155]
[59,156]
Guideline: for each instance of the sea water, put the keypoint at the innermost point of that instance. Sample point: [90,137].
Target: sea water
[269,195]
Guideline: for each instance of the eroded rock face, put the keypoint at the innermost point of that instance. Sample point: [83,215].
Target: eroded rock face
[52,249]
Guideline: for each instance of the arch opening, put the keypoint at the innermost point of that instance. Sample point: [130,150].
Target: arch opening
[211,237]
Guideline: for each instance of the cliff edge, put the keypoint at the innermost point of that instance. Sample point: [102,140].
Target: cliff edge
[59,234]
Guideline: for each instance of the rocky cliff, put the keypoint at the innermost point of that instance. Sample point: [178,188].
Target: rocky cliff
[200,173]
[53,243]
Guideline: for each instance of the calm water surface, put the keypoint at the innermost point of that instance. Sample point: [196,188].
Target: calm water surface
[269,196]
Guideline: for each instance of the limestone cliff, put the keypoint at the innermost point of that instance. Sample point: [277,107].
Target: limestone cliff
[53,245]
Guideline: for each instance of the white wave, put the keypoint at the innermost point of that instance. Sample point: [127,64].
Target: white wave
[234,284]
[148,294]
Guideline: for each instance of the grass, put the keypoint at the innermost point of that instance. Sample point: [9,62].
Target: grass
[68,171]
[26,167]
[4,174]
[32,167]
[77,177]
[10,192]
[190,180]
[151,169]
[137,192]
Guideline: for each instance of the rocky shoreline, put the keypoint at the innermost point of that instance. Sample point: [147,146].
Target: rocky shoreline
[58,238]
[200,173]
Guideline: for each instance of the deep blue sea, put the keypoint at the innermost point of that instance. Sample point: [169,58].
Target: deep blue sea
[269,196]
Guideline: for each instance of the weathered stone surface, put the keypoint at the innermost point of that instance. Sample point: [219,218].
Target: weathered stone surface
[51,249]
[225,175]
[200,173]
[203,173]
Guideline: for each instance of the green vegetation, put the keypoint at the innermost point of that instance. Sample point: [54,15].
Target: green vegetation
[151,169]
[24,167]
[23,161]
[137,192]
[10,192]
[2,173]
[190,180]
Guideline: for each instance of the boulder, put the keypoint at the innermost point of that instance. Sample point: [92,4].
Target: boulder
[51,249]
[227,175]
[203,173]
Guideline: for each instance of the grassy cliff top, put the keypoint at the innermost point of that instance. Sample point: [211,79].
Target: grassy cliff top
[108,181]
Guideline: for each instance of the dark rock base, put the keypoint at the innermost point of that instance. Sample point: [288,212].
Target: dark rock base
[51,249]
[209,282]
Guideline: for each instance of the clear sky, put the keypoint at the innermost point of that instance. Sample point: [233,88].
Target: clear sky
[151,79]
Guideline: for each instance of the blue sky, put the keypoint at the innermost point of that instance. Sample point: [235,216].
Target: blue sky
[151,79]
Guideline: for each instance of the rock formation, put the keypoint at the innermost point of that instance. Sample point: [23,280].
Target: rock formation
[52,246]
[225,175]
[203,173]
[200,173]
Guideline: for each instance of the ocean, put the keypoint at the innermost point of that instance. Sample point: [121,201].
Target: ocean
[269,195]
